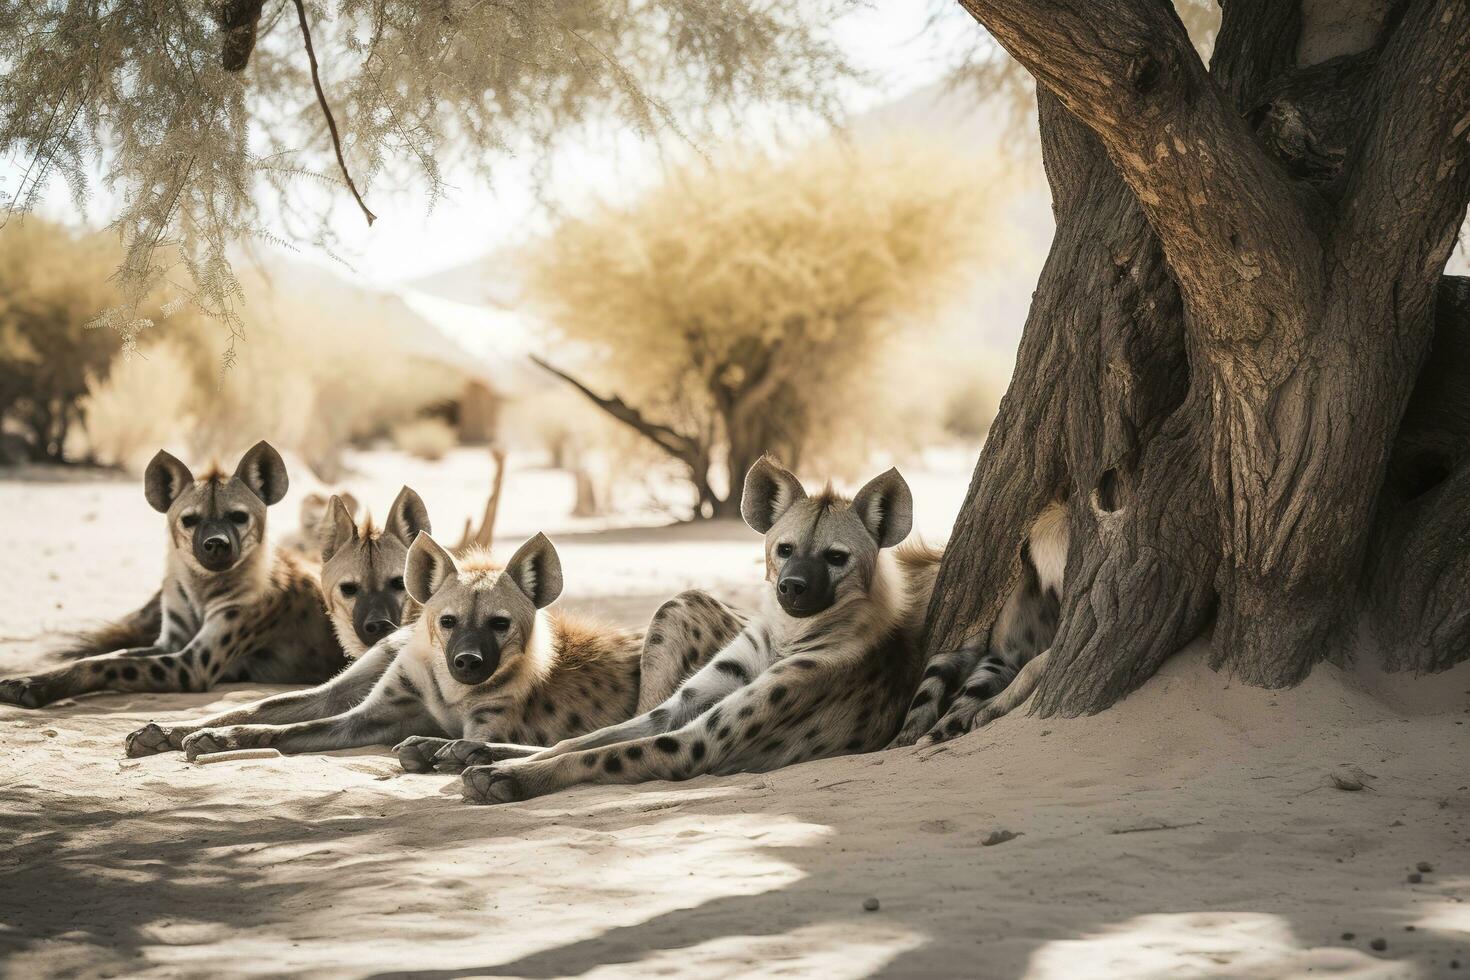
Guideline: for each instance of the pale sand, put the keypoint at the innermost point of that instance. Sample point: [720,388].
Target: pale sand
[1191,831]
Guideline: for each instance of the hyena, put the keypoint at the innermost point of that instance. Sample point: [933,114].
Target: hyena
[315,513]
[230,607]
[366,601]
[824,669]
[486,662]
[1000,680]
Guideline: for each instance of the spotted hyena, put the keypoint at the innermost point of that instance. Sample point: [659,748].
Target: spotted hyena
[230,608]
[974,686]
[824,669]
[366,602]
[488,662]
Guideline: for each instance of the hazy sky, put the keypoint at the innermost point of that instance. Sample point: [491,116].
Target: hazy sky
[886,38]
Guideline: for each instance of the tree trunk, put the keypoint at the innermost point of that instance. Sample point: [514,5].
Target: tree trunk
[1244,284]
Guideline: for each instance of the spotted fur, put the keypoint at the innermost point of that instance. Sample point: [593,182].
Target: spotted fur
[239,612]
[971,687]
[556,675]
[799,681]
[370,560]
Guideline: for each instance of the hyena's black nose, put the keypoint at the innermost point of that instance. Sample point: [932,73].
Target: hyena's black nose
[216,544]
[378,628]
[468,662]
[791,586]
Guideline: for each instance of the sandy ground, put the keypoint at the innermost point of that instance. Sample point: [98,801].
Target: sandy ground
[1192,831]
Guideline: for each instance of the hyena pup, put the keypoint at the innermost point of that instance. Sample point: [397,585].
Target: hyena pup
[998,679]
[230,607]
[366,601]
[485,662]
[824,669]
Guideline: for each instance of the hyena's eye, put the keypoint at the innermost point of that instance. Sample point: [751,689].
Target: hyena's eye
[396,583]
[836,558]
[784,550]
[349,589]
[500,624]
[239,517]
[189,520]
[448,622]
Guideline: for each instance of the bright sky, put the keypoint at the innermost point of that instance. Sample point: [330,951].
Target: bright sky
[409,240]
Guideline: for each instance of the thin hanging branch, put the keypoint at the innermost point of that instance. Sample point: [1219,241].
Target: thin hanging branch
[321,98]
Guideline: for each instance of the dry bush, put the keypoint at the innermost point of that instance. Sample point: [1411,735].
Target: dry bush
[426,438]
[740,308]
[143,403]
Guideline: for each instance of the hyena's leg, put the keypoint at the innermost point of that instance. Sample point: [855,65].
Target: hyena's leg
[323,701]
[146,669]
[393,711]
[993,674]
[683,635]
[942,677]
[733,667]
[762,726]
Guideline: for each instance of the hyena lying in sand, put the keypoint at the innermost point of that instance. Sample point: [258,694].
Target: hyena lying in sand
[486,661]
[825,669]
[366,600]
[230,608]
[1000,680]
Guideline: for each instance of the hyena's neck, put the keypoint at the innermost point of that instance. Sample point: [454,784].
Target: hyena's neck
[204,590]
[858,618]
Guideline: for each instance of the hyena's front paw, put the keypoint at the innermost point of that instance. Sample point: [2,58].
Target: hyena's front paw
[964,716]
[24,692]
[152,739]
[494,784]
[208,740]
[460,754]
[416,754]
[923,713]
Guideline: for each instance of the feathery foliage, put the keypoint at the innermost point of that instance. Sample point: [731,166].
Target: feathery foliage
[139,92]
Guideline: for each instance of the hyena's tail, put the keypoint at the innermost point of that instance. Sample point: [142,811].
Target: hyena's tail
[139,628]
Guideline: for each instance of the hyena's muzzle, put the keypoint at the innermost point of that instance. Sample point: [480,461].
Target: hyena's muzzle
[804,587]
[217,543]
[376,614]
[472,653]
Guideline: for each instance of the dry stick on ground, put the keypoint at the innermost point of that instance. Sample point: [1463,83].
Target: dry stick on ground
[481,538]
[321,98]
[1245,283]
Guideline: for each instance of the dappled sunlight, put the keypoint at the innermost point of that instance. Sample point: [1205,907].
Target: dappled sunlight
[1204,944]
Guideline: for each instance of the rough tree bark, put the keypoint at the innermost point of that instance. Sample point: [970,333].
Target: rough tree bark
[1245,283]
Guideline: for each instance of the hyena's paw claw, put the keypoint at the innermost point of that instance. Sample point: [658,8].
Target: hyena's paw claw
[150,740]
[416,754]
[23,692]
[462,753]
[492,784]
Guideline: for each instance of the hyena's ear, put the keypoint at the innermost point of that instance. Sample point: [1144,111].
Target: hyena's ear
[264,472]
[407,517]
[886,508]
[770,490]
[427,568]
[536,568]
[163,481]
[337,529]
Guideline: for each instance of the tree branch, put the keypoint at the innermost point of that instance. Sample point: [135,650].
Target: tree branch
[321,98]
[671,441]
[1236,232]
[1407,193]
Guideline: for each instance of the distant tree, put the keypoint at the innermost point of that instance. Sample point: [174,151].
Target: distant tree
[52,283]
[736,308]
[197,112]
